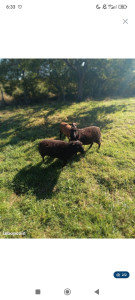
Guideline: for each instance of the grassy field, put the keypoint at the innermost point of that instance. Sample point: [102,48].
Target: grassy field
[93,196]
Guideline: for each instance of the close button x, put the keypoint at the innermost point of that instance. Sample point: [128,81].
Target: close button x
[125,21]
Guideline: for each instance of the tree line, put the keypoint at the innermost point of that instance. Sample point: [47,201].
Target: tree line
[30,80]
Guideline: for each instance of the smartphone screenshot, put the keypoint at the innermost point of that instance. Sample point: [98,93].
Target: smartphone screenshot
[67,150]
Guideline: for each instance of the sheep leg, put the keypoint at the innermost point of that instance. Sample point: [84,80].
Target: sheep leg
[60,135]
[99,146]
[90,146]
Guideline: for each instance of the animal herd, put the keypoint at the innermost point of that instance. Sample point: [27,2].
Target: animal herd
[77,137]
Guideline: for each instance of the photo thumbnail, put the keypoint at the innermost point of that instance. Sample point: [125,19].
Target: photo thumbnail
[67,148]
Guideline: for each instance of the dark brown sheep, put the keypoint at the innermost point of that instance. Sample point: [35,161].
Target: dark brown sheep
[87,135]
[65,129]
[59,149]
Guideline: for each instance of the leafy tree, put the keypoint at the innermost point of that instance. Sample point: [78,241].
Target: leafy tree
[81,78]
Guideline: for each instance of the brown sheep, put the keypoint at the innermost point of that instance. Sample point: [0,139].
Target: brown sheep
[87,135]
[59,149]
[65,129]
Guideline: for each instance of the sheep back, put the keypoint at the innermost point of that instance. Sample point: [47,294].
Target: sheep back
[87,135]
[65,129]
[59,149]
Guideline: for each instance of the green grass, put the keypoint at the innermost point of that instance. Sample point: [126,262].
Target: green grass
[93,196]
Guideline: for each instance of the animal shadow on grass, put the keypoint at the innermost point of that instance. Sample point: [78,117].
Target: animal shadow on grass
[76,158]
[39,180]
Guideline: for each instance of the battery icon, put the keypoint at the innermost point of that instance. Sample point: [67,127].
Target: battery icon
[122,6]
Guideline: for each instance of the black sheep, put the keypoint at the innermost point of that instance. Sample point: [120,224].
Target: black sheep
[87,135]
[59,149]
